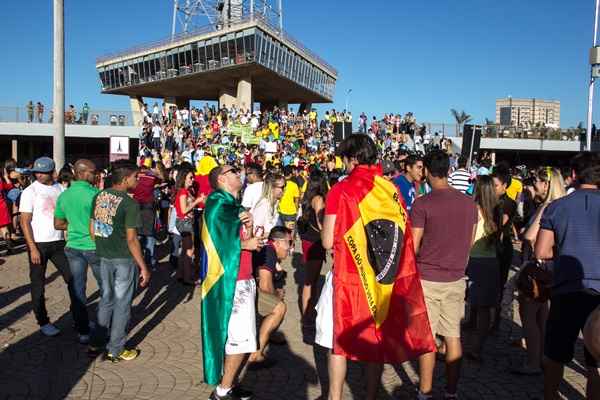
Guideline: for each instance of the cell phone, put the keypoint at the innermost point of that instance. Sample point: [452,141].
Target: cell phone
[259,231]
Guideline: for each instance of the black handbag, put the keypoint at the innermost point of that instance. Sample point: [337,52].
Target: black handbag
[184,225]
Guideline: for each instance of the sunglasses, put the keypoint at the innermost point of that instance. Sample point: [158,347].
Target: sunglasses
[234,170]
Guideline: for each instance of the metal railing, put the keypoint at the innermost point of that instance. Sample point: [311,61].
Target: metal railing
[210,28]
[93,117]
[128,118]
[497,131]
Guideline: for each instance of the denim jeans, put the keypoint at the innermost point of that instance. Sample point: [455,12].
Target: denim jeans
[119,279]
[175,245]
[78,264]
[148,243]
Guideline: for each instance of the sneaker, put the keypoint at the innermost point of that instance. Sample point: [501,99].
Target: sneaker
[228,396]
[125,355]
[49,330]
[83,339]
[242,393]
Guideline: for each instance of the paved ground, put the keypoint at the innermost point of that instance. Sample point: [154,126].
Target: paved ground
[165,326]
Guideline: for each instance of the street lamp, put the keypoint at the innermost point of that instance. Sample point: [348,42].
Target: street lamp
[348,98]
[594,73]
[58,142]
[345,114]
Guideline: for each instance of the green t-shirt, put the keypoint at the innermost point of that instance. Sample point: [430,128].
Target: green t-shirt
[75,206]
[114,212]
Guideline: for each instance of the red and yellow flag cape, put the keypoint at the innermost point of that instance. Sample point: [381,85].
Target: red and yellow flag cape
[378,306]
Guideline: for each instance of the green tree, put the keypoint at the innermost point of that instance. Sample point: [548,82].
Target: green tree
[461,118]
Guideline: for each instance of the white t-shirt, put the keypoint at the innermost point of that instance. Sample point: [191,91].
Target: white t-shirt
[271,147]
[40,200]
[156,131]
[263,215]
[252,194]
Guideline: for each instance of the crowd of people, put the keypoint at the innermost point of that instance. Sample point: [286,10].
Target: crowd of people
[231,208]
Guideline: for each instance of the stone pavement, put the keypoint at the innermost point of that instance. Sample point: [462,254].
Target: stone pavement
[165,326]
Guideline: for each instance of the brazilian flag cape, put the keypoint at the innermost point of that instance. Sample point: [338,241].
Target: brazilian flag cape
[379,311]
[220,255]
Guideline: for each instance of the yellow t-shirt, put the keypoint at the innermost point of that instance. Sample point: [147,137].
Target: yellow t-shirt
[338,162]
[514,188]
[287,204]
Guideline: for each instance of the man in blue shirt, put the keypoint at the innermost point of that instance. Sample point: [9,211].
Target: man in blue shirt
[572,226]
[413,172]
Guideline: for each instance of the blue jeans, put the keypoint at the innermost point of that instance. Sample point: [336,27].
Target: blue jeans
[175,245]
[119,279]
[78,264]
[148,243]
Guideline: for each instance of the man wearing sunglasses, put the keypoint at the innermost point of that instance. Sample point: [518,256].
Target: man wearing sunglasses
[228,288]
[271,304]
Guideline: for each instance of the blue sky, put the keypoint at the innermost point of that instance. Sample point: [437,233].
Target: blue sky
[395,55]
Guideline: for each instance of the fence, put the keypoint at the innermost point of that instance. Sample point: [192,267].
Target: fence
[126,118]
[93,117]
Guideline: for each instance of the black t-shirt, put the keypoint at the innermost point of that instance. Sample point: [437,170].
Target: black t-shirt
[299,181]
[507,206]
[267,259]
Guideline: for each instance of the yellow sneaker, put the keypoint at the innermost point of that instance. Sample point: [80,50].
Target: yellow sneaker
[125,355]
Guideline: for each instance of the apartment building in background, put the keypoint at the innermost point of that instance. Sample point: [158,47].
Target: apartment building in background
[527,112]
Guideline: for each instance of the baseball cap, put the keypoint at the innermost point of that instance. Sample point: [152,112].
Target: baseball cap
[43,165]
[388,167]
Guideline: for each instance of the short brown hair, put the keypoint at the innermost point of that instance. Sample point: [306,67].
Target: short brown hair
[213,176]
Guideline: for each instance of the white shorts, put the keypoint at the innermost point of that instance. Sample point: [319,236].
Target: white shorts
[324,321]
[241,331]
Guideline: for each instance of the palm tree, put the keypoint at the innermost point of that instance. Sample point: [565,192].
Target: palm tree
[461,118]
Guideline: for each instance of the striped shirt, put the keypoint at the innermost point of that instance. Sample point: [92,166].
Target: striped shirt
[459,180]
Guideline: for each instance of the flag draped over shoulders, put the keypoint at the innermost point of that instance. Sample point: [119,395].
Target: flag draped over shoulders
[379,309]
[220,262]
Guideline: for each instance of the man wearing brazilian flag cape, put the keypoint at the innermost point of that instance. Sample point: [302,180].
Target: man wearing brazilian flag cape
[228,287]
[372,307]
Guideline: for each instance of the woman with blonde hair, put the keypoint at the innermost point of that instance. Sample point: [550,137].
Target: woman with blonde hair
[548,186]
[264,213]
[483,269]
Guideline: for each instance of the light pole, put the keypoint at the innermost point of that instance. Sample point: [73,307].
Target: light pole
[345,115]
[58,143]
[348,98]
[593,55]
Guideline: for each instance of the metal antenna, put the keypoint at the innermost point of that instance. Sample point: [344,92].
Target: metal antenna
[219,14]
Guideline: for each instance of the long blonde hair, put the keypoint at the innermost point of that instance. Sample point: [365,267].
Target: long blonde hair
[556,184]
[486,199]
[267,192]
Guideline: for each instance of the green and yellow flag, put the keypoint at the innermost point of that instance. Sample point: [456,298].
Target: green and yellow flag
[220,262]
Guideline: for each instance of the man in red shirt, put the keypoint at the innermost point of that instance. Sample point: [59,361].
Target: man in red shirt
[144,195]
[443,227]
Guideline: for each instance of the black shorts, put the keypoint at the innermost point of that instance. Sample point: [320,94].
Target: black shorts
[567,317]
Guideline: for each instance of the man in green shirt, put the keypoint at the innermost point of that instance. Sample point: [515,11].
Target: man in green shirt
[72,213]
[115,220]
